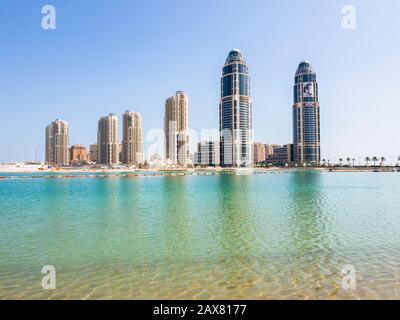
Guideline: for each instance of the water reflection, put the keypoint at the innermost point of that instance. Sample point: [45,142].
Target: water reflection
[235,229]
[175,216]
[311,248]
[234,216]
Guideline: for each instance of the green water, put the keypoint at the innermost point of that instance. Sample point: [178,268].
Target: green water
[270,236]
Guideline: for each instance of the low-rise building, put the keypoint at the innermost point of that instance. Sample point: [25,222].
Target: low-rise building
[93,152]
[281,155]
[269,149]
[207,153]
[259,152]
[78,154]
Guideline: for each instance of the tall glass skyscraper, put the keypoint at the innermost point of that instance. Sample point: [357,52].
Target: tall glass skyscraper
[306,118]
[235,114]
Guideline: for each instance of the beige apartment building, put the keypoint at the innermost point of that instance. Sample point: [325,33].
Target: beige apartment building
[132,142]
[259,152]
[78,154]
[176,129]
[269,149]
[107,140]
[57,140]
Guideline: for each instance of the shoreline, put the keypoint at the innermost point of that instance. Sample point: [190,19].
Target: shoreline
[74,172]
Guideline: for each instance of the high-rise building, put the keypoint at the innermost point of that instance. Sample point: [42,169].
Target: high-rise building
[306,118]
[235,113]
[78,154]
[207,153]
[132,143]
[107,140]
[259,152]
[176,129]
[93,152]
[57,140]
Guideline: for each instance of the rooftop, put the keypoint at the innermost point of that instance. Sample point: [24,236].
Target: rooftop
[234,56]
[305,67]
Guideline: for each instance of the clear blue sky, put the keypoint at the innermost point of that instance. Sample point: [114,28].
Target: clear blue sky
[109,56]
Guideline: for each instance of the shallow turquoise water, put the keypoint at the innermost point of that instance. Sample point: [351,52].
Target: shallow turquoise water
[277,235]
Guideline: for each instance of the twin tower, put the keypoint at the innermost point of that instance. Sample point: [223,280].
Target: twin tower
[235,115]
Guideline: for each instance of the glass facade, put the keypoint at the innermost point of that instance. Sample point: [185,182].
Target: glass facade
[235,113]
[306,116]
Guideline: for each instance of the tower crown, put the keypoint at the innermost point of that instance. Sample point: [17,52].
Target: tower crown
[304,67]
[234,56]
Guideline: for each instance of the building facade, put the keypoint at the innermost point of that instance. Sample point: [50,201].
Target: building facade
[132,142]
[281,155]
[207,153]
[176,129]
[235,113]
[306,116]
[259,152]
[78,154]
[93,152]
[57,140]
[269,149]
[107,140]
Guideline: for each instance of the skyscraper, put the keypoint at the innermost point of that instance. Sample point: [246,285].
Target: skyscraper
[306,119]
[176,129]
[132,143]
[235,113]
[107,140]
[57,140]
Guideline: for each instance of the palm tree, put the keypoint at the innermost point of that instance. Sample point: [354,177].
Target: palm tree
[374,159]
[354,161]
[383,159]
[348,160]
[340,161]
[324,162]
[398,159]
[367,160]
